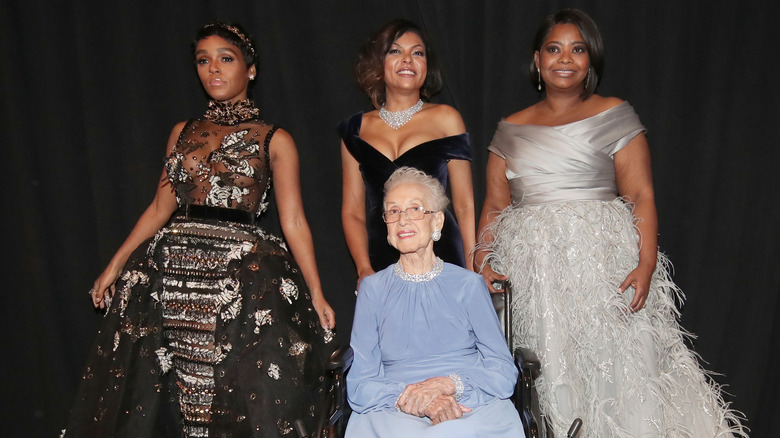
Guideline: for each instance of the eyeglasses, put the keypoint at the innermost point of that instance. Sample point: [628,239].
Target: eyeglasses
[412,213]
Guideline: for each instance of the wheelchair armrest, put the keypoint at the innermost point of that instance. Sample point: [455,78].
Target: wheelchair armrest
[338,364]
[525,401]
[526,360]
[341,358]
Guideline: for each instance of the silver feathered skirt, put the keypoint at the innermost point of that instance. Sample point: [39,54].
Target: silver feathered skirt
[624,374]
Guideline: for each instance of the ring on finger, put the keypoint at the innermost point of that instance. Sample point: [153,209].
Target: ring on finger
[91,291]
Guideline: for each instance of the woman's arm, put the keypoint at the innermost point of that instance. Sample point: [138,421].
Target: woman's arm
[461,183]
[497,374]
[353,214]
[153,218]
[367,387]
[463,204]
[497,198]
[287,188]
[635,182]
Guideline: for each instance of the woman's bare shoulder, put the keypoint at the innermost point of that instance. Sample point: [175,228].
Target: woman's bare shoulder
[523,117]
[446,117]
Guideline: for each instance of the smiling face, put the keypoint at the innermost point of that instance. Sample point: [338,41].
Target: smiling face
[411,236]
[222,70]
[563,59]
[406,66]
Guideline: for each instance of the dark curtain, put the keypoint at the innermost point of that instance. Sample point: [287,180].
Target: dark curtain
[91,89]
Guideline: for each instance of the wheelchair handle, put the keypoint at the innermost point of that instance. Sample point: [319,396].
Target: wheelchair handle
[574,429]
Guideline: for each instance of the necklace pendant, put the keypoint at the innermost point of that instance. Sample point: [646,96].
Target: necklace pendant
[396,119]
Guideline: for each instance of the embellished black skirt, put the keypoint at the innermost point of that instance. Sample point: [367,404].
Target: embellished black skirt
[211,333]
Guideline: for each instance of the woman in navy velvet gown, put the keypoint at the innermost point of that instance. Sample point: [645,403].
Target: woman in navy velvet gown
[397,69]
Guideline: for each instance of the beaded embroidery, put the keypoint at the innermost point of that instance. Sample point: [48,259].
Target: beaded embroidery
[229,113]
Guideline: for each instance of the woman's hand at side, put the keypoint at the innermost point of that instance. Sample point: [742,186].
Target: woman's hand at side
[491,278]
[324,311]
[639,279]
[104,286]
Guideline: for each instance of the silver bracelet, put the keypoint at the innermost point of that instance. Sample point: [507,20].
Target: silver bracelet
[458,385]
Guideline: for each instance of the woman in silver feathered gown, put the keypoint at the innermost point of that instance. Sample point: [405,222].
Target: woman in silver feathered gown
[570,220]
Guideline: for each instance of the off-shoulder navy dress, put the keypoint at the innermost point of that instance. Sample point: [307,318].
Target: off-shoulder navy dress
[431,157]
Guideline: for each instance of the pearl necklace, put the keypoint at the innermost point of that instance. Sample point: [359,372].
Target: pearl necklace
[430,275]
[396,119]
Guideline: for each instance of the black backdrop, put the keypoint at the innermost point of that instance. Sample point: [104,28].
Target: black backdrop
[91,89]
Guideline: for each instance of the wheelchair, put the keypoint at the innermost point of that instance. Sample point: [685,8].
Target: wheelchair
[332,424]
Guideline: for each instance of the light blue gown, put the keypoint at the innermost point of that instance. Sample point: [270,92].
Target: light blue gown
[405,332]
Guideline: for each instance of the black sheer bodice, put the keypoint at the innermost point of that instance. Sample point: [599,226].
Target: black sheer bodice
[222,166]
[431,157]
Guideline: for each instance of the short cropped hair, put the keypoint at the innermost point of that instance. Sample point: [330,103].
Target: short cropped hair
[434,189]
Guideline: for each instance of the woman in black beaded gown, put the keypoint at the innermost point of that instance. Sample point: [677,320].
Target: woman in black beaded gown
[212,328]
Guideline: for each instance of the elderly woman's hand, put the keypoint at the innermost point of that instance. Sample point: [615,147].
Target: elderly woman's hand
[443,408]
[417,396]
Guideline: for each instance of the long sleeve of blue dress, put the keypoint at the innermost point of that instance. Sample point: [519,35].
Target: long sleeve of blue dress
[494,374]
[367,387]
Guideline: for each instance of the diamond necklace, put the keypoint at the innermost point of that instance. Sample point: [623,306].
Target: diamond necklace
[417,278]
[396,119]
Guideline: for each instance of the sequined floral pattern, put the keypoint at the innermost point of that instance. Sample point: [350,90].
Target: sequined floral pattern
[289,290]
[130,279]
[274,372]
[262,317]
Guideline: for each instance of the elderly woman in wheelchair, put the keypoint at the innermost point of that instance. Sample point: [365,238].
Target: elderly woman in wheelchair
[430,359]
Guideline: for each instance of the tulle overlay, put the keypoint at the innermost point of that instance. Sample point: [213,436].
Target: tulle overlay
[624,374]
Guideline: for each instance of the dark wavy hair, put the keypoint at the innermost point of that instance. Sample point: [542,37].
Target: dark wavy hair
[590,35]
[232,33]
[370,65]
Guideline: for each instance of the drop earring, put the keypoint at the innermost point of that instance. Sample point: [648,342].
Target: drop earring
[538,79]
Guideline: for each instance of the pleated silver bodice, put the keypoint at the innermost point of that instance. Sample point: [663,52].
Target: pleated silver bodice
[571,162]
